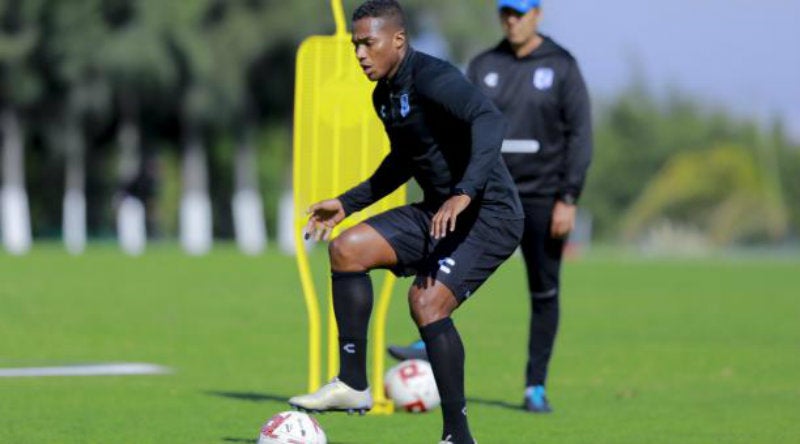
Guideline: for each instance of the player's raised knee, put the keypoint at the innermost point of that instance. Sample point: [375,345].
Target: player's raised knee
[428,307]
[342,253]
[347,252]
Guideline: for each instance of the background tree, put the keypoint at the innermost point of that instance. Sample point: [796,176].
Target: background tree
[20,88]
[150,99]
[720,191]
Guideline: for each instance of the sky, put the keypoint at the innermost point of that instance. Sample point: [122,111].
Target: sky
[743,56]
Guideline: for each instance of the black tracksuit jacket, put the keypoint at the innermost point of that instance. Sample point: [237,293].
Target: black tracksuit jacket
[548,144]
[445,134]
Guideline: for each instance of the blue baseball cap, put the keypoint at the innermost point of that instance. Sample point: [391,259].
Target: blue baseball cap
[521,6]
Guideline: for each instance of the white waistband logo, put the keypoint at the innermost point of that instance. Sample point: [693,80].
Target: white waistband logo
[446,264]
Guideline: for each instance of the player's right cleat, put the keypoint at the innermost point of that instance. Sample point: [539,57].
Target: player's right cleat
[335,396]
[415,350]
[536,400]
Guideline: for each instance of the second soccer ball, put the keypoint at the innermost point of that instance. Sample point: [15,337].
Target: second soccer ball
[411,386]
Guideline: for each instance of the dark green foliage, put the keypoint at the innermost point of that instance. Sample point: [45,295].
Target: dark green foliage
[224,70]
[638,136]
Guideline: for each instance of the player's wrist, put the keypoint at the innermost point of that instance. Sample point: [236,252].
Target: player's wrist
[462,198]
[568,199]
[460,191]
[346,206]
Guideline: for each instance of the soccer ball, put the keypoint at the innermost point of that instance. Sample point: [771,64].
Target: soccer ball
[292,428]
[411,386]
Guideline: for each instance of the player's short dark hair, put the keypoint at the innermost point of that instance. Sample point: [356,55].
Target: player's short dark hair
[389,10]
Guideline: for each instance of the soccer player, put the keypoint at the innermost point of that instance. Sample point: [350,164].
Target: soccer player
[447,136]
[537,85]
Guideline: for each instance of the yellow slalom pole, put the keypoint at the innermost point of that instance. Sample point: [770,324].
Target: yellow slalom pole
[303,267]
[312,308]
[336,150]
[333,338]
[381,406]
[338,17]
[317,175]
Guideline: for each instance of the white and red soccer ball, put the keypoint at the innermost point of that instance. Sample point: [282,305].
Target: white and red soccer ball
[292,428]
[410,384]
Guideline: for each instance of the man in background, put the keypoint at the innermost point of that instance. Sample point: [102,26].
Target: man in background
[548,147]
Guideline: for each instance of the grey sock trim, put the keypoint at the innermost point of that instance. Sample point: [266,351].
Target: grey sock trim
[545,294]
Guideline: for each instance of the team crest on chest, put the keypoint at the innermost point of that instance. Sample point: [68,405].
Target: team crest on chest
[492,79]
[543,78]
[405,106]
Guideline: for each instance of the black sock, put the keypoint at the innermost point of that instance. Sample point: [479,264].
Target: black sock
[352,305]
[542,336]
[446,355]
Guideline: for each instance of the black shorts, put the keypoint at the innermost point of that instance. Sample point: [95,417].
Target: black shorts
[463,260]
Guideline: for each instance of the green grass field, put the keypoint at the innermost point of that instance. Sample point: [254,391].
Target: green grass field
[650,351]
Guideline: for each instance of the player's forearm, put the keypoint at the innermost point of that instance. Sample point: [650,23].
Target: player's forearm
[365,194]
[579,157]
[487,139]
[357,198]
[389,176]
[579,139]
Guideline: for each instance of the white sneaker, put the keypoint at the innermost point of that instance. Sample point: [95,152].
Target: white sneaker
[335,396]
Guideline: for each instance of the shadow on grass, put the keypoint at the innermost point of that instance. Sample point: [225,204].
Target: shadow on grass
[249,396]
[254,441]
[252,397]
[268,397]
[495,403]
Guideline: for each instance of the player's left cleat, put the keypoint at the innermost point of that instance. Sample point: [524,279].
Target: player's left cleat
[415,350]
[335,396]
[536,400]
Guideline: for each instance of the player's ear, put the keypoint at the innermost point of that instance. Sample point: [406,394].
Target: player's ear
[399,39]
[537,14]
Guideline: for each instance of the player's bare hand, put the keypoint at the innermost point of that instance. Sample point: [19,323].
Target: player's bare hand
[563,220]
[444,221]
[322,218]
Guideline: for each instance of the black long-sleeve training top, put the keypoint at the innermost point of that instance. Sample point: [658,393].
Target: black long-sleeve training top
[548,144]
[445,134]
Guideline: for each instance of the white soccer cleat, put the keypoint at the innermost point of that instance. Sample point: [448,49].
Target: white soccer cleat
[335,396]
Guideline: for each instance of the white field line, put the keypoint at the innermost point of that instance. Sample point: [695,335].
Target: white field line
[116,369]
